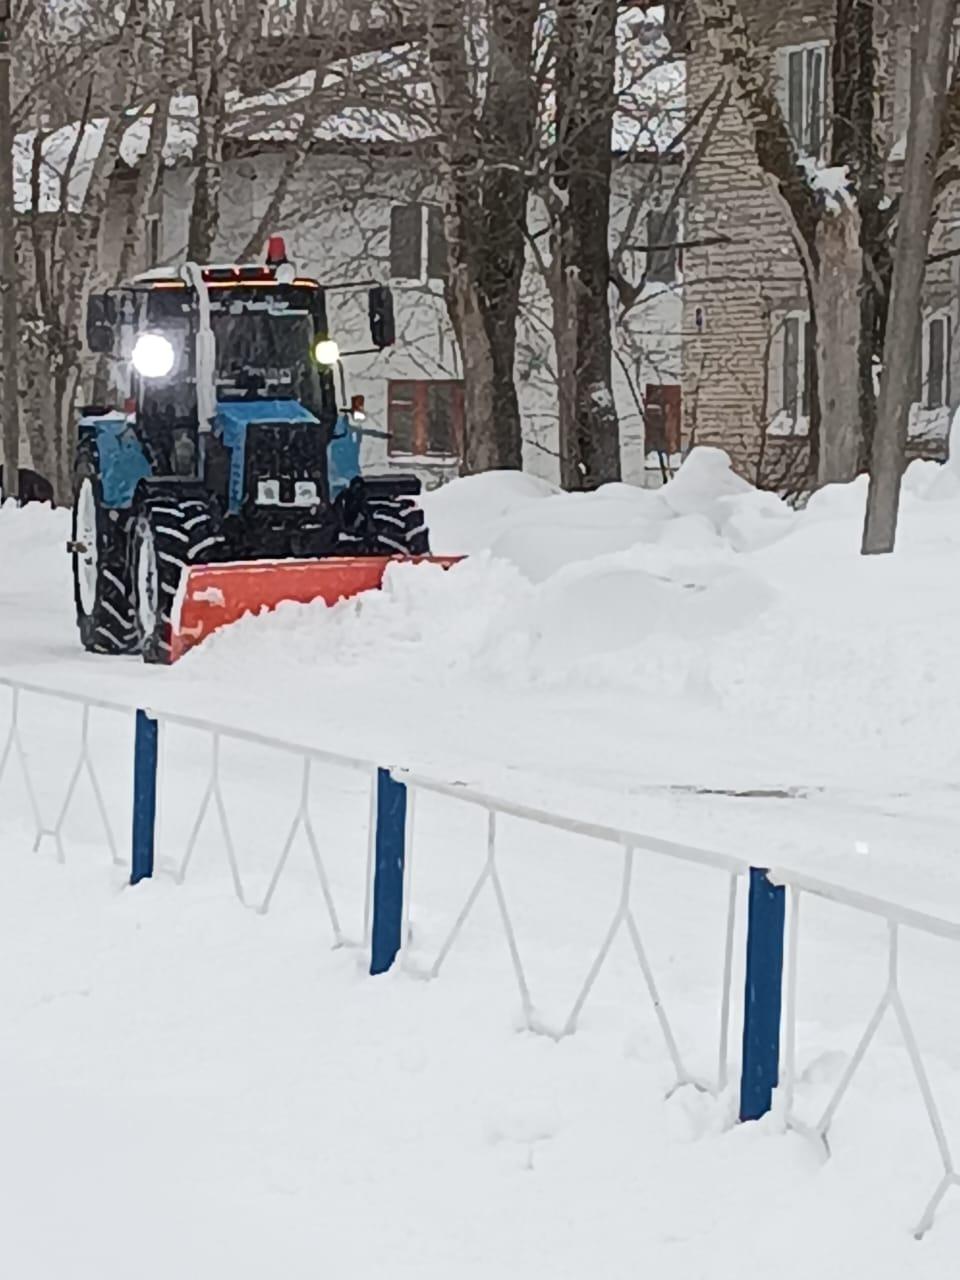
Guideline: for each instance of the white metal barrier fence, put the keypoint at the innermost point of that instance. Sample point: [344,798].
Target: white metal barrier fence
[388,892]
[51,825]
[897,919]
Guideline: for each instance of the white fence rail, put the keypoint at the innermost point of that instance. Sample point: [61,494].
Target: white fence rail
[897,918]
[623,920]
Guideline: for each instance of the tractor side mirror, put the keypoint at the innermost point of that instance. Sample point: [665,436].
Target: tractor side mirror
[101,323]
[383,329]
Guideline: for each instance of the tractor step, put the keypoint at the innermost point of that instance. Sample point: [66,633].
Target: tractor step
[212,596]
[398,485]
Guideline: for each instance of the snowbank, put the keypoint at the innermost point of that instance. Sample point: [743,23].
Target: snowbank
[702,598]
[541,530]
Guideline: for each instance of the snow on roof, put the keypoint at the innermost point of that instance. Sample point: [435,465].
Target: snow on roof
[338,112]
[379,97]
[68,154]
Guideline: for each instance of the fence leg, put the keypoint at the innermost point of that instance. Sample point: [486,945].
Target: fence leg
[146,752]
[761,1005]
[388,874]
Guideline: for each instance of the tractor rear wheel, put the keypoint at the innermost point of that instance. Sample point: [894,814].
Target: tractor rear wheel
[170,535]
[101,579]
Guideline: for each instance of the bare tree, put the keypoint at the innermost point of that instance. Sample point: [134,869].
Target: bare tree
[485,116]
[9,324]
[69,194]
[927,103]
[586,40]
[210,74]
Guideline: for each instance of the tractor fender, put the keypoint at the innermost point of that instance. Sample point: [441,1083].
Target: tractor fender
[122,460]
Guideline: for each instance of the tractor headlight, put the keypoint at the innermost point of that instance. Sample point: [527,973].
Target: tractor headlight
[326,351]
[153,355]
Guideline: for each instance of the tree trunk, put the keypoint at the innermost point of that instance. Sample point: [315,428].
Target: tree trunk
[854,144]
[586,61]
[9,322]
[38,410]
[927,89]
[485,154]
[837,305]
[205,211]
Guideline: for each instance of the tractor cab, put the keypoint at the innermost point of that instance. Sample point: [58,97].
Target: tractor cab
[209,354]
[268,339]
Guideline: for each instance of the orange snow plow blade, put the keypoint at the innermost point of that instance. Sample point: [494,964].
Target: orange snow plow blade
[214,595]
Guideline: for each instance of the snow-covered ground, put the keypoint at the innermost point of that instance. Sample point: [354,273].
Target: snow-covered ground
[191,1088]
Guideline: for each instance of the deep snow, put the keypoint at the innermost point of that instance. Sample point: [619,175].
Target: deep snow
[181,1067]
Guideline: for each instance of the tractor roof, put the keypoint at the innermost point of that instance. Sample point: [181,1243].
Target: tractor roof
[224,275]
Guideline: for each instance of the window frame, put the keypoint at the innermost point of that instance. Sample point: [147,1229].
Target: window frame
[430,239]
[781,418]
[420,391]
[783,54]
[944,316]
[672,254]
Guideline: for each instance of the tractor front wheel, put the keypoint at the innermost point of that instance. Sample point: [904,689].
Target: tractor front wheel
[169,536]
[398,527]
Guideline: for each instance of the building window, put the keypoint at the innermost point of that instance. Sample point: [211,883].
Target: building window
[802,78]
[425,419]
[662,235]
[153,240]
[936,361]
[418,247]
[790,374]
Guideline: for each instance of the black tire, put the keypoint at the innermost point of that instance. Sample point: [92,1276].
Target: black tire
[102,592]
[398,528]
[169,535]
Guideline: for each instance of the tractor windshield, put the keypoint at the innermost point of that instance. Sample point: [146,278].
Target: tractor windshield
[266,352]
[262,351]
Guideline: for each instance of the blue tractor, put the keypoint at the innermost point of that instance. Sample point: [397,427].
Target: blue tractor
[223,449]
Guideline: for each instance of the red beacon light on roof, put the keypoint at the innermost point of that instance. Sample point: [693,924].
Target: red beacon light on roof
[276,251]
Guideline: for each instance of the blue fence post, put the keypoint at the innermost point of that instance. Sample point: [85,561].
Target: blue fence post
[761,1004]
[388,872]
[145,755]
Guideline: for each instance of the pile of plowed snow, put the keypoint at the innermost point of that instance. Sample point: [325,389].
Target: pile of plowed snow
[704,594]
[550,579]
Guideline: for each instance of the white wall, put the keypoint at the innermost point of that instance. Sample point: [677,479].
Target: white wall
[336,223]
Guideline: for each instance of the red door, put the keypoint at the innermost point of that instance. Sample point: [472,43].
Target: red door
[664,416]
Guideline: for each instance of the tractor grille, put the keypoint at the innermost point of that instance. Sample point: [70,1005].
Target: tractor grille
[286,452]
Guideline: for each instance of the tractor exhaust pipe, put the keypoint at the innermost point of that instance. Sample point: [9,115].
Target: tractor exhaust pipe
[206,349]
